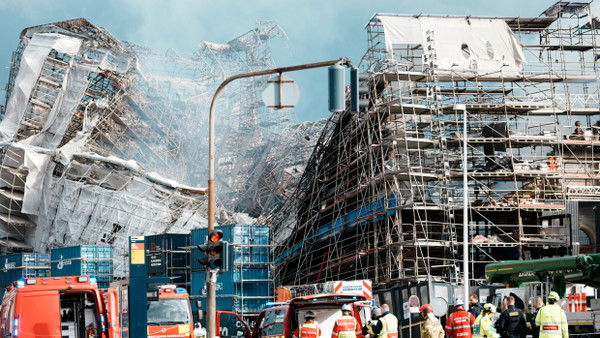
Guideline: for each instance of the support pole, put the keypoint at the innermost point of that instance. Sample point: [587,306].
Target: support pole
[465,209]
[211,277]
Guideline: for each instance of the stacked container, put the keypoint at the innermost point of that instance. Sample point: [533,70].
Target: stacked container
[93,260]
[247,285]
[167,256]
[22,265]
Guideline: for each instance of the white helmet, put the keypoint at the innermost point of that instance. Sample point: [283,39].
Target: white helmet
[346,307]
[458,302]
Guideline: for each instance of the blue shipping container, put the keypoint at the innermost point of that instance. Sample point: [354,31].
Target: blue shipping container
[240,305]
[229,283]
[165,252]
[88,252]
[93,260]
[26,259]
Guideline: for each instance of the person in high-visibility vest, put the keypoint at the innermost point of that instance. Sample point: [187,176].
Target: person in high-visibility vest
[483,323]
[374,327]
[390,323]
[310,329]
[346,326]
[551,319]
[431,327]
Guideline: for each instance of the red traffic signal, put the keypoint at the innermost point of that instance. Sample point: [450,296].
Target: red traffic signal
[215,236]
[212,249]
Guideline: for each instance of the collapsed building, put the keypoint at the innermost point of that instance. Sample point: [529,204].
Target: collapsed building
[382,195]
[102,139]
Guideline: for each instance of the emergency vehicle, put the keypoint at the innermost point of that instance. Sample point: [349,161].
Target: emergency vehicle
[65,307]
[169,311]
[281,319]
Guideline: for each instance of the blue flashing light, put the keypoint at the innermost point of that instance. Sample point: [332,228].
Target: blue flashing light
[93,280]
[16,322]
[180,290]
[16,333]
[355,298]
[20,283]
[314,299]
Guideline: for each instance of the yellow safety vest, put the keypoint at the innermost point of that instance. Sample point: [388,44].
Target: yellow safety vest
[390,326]
[477,326]
[486,329]
[552,322]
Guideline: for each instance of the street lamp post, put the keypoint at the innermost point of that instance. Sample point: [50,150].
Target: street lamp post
[463,108]
[211,276]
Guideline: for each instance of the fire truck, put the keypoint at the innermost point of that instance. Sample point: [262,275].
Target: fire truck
[54,307]
[169,311]
[71,307]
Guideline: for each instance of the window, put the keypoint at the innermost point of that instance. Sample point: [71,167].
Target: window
[584,238]
[169,312]
[230,325]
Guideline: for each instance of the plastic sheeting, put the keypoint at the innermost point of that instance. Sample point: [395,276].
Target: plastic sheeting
[30,67]
[474,45]
[83,213]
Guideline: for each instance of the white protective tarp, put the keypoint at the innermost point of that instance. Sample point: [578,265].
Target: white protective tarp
[32,60]
[472,45]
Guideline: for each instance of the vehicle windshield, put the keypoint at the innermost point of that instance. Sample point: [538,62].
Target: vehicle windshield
[169,312]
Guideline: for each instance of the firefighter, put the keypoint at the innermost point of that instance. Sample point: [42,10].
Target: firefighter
[346,326]
[512,322]
[390,323]
[483,323]
[431,327]
[460,323]
[551,319]
[310,329]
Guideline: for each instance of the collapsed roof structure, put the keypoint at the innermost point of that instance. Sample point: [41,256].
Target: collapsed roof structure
[102,139]
[382,196]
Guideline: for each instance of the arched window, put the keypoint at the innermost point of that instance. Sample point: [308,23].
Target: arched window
[584,238]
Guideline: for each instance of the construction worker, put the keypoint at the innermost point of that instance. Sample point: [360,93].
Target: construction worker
[512,322]
[374,327]
[483,323]
[310,329]
[460,323]
[431,327]
[346,326]
[390,323]
[551,319]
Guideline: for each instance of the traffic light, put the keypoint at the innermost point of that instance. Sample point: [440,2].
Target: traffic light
[356,90]
[212,250]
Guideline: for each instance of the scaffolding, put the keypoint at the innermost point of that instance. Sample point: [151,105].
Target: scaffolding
[103,139]
[381,197]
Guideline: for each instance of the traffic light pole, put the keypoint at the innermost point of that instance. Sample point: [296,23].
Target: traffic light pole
[211,276]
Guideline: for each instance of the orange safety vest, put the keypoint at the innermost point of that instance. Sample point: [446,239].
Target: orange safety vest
[308,330]
[460,324]
[345,327]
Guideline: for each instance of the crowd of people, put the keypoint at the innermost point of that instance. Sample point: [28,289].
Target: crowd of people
[548,321]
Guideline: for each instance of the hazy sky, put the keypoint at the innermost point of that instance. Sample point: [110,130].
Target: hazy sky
[317,30]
